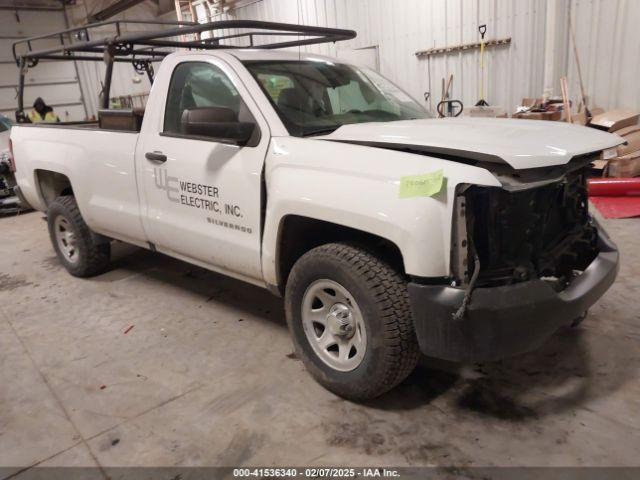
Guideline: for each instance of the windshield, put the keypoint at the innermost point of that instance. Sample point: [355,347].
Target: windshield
[317,97]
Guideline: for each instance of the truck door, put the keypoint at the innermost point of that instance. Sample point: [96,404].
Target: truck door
[202,194]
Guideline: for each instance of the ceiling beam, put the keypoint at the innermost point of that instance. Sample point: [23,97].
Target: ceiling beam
[112,10]
[165,6]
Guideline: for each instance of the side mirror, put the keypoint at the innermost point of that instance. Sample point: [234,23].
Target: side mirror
[216,123]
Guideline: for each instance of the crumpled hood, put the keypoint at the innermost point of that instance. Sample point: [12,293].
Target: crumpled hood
[520,143]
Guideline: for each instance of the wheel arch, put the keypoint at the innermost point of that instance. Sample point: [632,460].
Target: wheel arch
[51,184]
[297,234]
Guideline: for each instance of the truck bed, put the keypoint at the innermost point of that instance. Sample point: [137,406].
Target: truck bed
[98,162]
[122,120]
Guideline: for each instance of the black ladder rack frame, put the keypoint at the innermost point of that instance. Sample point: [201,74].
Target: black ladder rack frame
[143,48]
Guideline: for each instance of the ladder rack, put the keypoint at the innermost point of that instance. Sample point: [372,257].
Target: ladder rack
[90,43]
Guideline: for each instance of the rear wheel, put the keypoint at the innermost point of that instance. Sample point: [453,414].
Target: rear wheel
[81,252]
[348,312]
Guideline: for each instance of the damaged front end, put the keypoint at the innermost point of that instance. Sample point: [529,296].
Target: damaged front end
[536,227]
[526,258]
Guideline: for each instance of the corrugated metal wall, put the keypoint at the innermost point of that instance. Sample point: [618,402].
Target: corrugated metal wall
[608,40]
[401,27]
[125,79]
[607,37]
[57,83]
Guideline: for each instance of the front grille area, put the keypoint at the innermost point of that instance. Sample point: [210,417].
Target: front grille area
[533,233]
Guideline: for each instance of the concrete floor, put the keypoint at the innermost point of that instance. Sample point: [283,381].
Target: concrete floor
[206,377]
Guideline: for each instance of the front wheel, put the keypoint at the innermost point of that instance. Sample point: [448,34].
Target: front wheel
[349,316]
[79,250]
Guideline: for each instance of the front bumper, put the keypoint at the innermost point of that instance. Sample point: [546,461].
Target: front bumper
[508,320]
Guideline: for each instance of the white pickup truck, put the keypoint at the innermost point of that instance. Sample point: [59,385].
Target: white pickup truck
[387,232]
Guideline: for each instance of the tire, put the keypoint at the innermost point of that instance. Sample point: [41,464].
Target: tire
[376,296]
[90,255]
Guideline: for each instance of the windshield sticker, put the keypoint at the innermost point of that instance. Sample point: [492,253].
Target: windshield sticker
[426,185]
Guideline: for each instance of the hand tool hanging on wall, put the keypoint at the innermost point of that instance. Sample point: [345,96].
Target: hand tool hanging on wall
[482,102]
[453,108]
[443,97]
[445,94]
[427,95]
[447,103]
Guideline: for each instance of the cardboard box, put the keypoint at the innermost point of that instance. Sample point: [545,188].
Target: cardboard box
[599,164]
[580,118]
[596,111]
[632,137]
[626,166]
[615,120]
[627,130]
[531,102]
[553,116]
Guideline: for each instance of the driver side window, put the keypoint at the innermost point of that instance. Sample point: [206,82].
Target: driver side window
[198,84]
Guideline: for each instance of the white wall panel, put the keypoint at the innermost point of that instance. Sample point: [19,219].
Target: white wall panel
[122,83]
[606,30]
[607,36]
[57,83]
[401,27]
[45,72]
[30,22]
[92,73]
[608,41]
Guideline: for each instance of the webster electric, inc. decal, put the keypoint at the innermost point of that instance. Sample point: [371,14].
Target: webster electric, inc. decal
[200,196]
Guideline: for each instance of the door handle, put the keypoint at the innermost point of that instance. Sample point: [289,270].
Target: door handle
[157,157]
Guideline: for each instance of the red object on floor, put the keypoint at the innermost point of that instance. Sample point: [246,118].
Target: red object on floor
[617,207]
[614,187]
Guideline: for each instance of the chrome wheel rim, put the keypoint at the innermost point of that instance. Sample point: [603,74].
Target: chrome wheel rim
[66,239]
[333,325]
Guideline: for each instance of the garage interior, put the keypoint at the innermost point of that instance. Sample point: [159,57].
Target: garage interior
[159,363]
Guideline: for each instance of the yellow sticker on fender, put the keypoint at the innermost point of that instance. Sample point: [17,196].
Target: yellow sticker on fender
[426,185]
